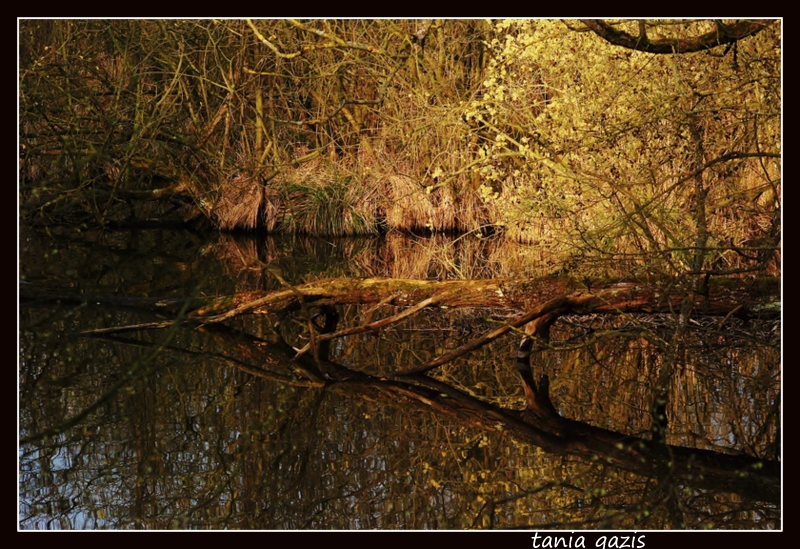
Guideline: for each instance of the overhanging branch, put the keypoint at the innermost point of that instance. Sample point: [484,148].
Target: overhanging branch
[722,35]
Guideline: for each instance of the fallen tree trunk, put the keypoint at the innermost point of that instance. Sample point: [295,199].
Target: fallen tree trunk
[742,298]
[546,296]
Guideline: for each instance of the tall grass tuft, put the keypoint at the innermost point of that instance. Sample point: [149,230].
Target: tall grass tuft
[329,204]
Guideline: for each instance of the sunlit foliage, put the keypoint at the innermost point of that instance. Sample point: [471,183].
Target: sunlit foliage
[538,129]
[592,146]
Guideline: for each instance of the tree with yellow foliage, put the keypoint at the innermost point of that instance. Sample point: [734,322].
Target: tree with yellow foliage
[588,145]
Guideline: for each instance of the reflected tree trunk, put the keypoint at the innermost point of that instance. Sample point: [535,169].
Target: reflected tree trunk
[543,302]
[539,425]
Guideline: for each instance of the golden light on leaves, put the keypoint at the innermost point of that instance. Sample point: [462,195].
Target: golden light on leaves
[619,129]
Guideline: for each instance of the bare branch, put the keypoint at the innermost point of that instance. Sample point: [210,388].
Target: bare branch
[724,34]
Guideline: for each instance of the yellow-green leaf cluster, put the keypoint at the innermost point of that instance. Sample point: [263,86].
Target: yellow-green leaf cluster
[616,150]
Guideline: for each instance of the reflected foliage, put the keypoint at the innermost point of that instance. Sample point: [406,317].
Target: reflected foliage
[217,430]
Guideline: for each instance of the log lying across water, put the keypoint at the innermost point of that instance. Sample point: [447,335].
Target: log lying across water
[721,297]
[758,298]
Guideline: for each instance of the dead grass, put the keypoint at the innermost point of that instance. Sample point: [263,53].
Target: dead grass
[239,203]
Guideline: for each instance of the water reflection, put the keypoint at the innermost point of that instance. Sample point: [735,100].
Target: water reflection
[210,428]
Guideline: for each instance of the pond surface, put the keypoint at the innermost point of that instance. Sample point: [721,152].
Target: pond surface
[206,428]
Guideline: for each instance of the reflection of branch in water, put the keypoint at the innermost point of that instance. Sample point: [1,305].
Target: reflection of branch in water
[540,425]
[126,378]
[751,477]
[521,320]
[266,356]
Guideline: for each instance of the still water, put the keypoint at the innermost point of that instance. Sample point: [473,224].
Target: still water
[208,428]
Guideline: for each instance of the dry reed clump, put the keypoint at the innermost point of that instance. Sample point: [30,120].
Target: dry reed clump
[408,207]
[472,213]
[273,209]
[411,206]
[444,204]
[239,203]
[313,197]
[421,151]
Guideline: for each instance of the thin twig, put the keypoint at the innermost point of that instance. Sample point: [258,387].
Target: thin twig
[372,326]
[549,307]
